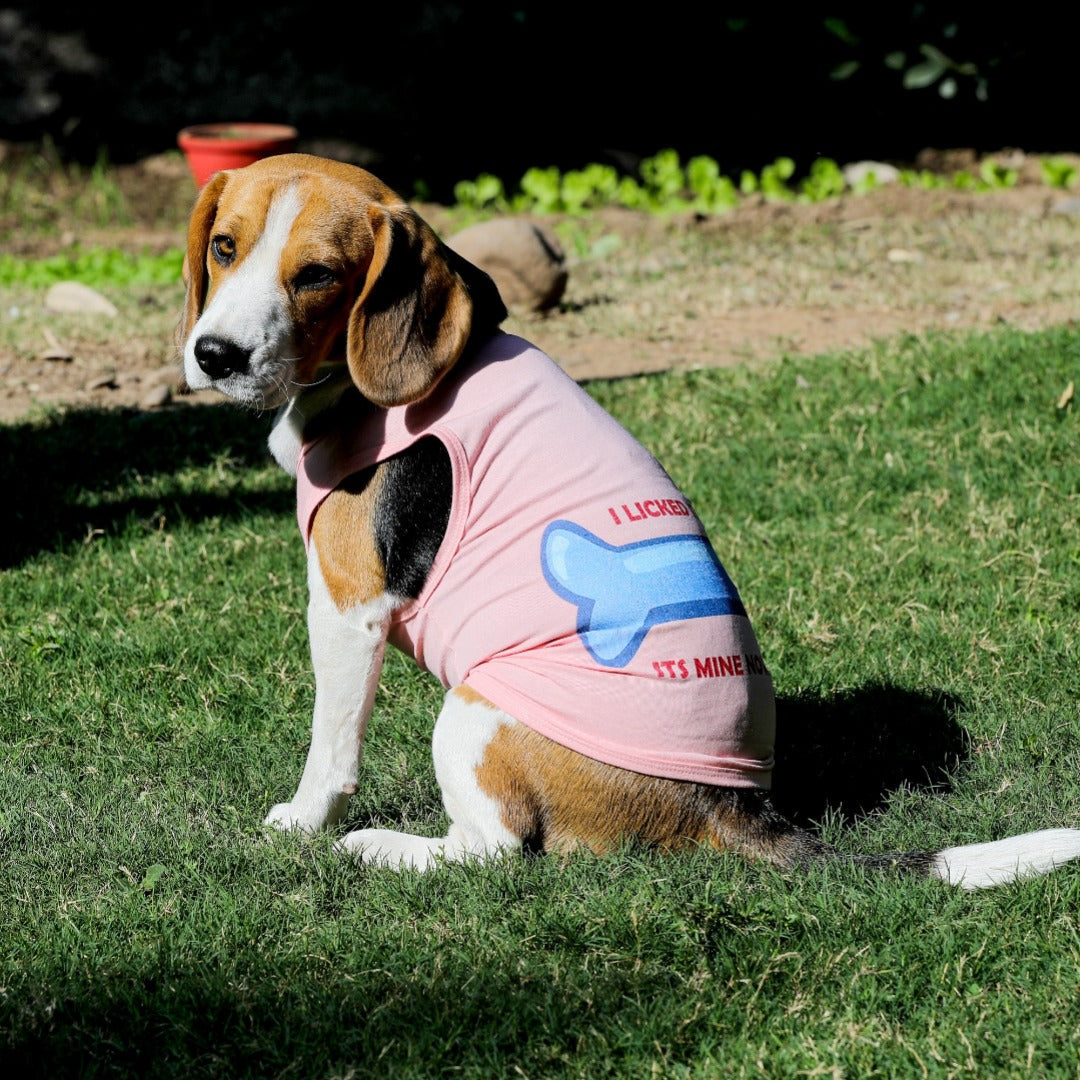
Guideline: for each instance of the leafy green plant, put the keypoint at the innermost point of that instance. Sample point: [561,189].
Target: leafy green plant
[774,180]
[584,189]
[664,177]
[101,266]
[995,175]
[1058,172]
[664,186]
[712,191]
[540,191]
[923,179]
[826,181]
[963,180]
[484,193]
[631,194]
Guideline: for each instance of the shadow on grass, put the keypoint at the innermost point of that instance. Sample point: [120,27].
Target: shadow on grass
[845,752]
[372,1022]
[62,472]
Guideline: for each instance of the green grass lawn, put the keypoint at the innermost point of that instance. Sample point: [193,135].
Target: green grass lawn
[903,526]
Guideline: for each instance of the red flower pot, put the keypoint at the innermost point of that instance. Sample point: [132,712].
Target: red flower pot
[210,147]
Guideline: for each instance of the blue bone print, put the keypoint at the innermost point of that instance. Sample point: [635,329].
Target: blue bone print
[621,592]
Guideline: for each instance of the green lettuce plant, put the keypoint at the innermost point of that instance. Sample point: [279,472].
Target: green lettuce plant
[1058,173]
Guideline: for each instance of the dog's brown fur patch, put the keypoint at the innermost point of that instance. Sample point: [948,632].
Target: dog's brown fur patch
[470,696]
[556,799]
[343,535]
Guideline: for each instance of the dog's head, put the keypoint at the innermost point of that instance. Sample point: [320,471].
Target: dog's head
[297,262]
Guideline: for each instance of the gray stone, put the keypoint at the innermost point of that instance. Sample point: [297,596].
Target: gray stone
[523,258]
[857,172]
[156,397]
[57,354]
[73,296]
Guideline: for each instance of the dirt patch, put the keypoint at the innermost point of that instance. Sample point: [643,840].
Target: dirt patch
[645,294]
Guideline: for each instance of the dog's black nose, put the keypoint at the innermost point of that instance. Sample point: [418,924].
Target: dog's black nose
[220,358]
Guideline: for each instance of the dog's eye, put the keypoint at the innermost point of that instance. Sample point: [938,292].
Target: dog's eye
[314,276]
[223,248]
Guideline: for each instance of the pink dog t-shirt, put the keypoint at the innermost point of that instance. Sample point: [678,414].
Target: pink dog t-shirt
[575,588]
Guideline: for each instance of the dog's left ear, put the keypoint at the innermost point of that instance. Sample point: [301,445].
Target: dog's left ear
[194,269]
[419,305]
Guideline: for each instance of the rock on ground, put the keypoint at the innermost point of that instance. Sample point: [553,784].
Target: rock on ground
[523,258]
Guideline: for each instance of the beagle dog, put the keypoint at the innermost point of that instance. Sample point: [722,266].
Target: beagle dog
[463,499]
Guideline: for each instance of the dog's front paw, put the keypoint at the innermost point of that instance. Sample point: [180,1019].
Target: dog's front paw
[311,813]
[289,817]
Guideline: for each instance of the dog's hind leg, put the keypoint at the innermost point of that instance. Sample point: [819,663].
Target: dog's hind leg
[478,829]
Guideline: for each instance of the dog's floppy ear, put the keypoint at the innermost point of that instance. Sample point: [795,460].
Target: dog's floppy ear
[419,304]
[195,276]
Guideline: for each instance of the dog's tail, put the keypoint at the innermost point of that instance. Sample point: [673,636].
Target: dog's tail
[978,866]
[764,832]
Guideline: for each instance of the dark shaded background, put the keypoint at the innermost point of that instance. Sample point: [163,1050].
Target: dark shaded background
[444,91]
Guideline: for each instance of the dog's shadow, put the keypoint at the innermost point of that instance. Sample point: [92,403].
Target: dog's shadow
[844,752]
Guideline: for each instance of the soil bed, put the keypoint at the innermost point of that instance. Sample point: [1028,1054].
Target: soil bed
[646,293]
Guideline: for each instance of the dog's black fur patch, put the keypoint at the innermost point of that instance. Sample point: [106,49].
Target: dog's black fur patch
[411,514]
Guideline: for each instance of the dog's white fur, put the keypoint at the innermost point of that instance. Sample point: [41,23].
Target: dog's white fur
[253,306]
[347,652]
[462,734]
